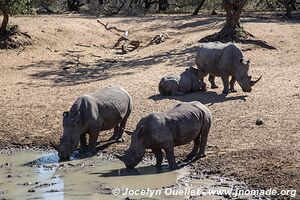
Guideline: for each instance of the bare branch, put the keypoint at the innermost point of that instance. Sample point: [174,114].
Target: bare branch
[110,28]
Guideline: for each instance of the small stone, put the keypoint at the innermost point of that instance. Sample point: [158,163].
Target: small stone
[27,183]
[9,176]
[259,122]
[31,190]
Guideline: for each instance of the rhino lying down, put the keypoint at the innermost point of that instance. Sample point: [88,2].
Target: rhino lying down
[91,113]
[180,125]
[224,60]
[186,82]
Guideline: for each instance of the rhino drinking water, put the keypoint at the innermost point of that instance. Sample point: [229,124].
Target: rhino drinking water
[224,60]
[91,113]
[180,125]
[186,82]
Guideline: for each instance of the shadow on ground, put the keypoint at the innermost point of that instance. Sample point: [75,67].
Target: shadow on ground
[73,71]
[208,98]
[138,171]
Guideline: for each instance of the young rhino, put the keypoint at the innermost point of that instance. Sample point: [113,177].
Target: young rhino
[224,60]
[180,125]
[103,110]
[186,82]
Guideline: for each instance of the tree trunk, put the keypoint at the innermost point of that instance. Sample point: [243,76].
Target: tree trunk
[288,8]
[3,28]
[232,27]
[147,5]
[269,4]
[163,5]
[201,2]
[293,4]
[74,5]
[232,30]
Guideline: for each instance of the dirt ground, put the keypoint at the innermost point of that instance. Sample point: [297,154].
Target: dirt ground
[71,56]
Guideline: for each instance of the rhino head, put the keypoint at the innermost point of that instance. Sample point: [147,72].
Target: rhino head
[135,153]
[193,71]
[71,135]
[242,76]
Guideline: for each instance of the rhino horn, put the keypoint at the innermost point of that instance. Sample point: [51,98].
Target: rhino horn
[119,156]
[55,146]
[254,82]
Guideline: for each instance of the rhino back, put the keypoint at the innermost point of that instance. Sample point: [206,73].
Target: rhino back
[216,57]
[109,106]
[185,121]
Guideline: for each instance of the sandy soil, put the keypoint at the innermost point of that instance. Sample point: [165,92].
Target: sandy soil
[70,57]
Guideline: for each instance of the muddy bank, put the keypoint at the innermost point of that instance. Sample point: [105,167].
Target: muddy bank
[37,174]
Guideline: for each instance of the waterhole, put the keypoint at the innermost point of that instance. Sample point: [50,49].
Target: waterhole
[40,175]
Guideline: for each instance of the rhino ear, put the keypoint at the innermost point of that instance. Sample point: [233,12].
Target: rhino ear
[66,114]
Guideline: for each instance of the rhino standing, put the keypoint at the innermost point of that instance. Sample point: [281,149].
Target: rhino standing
[186,82]
[91,113]
[180,125]
[224,60]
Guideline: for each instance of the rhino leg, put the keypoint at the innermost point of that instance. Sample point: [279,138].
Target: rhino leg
[232,82]
[194,151]
[201,74]
[158,155]
[121,129]
[211,79]
[119,137]
[116,133]
[203,138]
[94,134]
[83,144]
[225,80]
[170,157]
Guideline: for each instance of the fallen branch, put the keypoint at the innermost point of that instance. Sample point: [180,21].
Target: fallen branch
[122,38]
[158,39]
[124,43]
[110,28]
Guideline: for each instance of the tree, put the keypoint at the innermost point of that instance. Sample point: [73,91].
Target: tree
[74,5]
[232,30]
[200,4]
[289,6]
[147,4]
[9,7]
[163,5]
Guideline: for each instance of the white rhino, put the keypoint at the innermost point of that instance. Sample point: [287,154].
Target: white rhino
[180,125]
[105,109]
[187,81]
[224,60]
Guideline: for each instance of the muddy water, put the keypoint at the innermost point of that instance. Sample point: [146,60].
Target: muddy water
[40,175]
